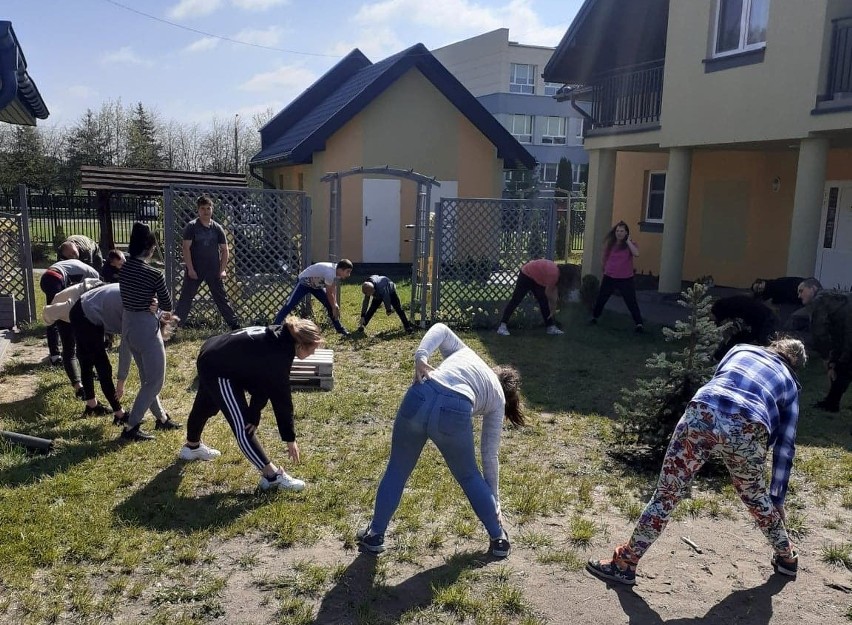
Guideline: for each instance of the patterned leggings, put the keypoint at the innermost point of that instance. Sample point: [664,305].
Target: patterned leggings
[701,432]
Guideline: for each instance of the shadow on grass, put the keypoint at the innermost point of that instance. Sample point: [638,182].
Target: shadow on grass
[158,506]
[60,460]
[360,597]
[750,605]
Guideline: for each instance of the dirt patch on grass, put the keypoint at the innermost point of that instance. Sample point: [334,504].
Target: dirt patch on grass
[20,368]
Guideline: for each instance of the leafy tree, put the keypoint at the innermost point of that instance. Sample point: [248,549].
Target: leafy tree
[564,178]
[648,414]
[144,150]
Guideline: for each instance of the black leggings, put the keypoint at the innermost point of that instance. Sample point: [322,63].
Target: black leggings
[215,394]
[92,353]
[524,285]
[376,302]
[51,285]
[627,288]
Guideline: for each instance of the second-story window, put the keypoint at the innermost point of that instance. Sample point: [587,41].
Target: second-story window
[553,130]
[522,79]
[550,88]
[522,128]
[741,25]
[548,174]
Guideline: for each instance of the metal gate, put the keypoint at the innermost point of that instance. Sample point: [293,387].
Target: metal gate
[576,223]
[16,262]
[269,236]
[477,249]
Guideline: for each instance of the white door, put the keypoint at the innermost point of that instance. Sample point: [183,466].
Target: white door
[834,253]
[381,202]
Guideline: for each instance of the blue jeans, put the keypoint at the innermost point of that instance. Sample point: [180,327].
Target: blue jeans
[299,293]
[432,411]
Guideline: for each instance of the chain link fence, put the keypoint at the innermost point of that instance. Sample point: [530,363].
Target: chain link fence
[269,235]
[479,248]
[16,266]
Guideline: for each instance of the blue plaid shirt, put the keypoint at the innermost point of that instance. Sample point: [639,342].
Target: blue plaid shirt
[758,384]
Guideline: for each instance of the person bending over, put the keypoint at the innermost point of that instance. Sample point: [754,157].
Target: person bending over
[320,281]
[380,290]
[545,280]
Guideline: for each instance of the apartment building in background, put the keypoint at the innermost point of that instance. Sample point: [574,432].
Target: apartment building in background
[505,76]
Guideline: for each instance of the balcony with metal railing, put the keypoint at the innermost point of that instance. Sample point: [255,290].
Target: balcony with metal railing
[626,100]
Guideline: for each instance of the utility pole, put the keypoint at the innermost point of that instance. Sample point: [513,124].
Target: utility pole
[236,145]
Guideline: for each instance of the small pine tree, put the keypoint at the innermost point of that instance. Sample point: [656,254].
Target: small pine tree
[648,414]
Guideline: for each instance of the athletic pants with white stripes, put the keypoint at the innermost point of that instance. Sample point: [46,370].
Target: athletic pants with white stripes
[215,394]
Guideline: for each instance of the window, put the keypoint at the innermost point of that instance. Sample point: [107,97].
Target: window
[655,196]
[550,88]
[521,126]
[741,26]
[553,131]
[522,79]
[548,173]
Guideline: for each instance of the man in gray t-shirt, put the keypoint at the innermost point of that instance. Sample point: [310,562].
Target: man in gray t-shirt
[205,253]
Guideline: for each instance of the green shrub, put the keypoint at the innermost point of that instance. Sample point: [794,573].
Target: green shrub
[59,237]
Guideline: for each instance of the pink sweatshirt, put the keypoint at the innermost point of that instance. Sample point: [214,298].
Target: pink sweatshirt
[619,262]
[542,271]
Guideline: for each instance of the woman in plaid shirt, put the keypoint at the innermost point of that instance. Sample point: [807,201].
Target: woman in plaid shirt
[750,405]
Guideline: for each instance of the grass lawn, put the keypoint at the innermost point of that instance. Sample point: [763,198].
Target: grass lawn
[99,531]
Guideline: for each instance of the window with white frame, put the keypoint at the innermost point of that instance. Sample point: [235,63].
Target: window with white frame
[655,196]
[550,88]
[521,126]
[553,130]
[740,26]
[575,130]
[548,173]
[522,79]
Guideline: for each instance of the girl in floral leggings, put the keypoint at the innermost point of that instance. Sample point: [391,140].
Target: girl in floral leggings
[751,404]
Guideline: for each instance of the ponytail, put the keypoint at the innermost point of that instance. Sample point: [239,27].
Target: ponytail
[510,381]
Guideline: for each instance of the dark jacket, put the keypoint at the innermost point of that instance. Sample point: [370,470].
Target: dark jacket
[831,326]
[256,360]
[89,251]
[781,290]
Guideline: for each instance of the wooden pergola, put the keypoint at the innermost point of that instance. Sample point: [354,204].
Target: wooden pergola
[105,181]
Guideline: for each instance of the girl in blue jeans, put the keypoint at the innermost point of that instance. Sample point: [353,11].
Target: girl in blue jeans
[439,406]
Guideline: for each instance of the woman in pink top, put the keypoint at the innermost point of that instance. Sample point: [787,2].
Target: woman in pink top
[618,255]
[543,277]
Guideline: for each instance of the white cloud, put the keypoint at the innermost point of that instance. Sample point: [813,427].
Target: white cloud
[288,78]
[202,45]
[268,37]
[82,92]
[193,8]
[124,56]
[463,18]
[258,5]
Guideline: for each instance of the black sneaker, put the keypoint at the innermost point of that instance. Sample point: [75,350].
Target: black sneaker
[116,420]
[374,543]
[98,410]
[500,547]
[79,393]
[168,424]
[55,361]
[786,566]
[135,434]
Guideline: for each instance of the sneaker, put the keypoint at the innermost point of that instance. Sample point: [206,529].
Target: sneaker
[500,547]
[135,434]
[55,361]
[281,481]
[168,424]
[554,330]
[120,420]
[639,329]
[825,405]
[502,330]
[202,452]
[610,571]
[98,410]
[374,543]
[79,393]
[786,566]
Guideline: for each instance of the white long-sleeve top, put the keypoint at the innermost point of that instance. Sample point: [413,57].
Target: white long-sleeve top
[463,371]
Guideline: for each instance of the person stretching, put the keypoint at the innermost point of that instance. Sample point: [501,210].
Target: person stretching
[751,404]
[440,405]
[380,290]
[254,360]
[543,278]
[319,280]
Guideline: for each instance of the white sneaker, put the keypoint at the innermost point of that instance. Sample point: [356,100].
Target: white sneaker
[503,330]
[202,452]
[282,481]
[554,330]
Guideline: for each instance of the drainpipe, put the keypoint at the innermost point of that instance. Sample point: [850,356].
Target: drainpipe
[266,183]
[577,108]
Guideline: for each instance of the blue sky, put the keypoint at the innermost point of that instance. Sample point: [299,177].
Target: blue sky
[83,52]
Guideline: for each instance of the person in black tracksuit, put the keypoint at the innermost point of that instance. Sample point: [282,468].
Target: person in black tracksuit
[380,290]
[257,361]
[755,322]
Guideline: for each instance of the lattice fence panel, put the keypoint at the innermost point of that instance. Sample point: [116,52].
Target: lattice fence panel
[480,246]
[269,239]
[16,265]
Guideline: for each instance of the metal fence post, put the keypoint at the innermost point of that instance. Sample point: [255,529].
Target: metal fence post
[27,254]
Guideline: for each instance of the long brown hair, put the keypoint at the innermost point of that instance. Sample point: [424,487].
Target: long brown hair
[510,380]
[610,241]
[305,331]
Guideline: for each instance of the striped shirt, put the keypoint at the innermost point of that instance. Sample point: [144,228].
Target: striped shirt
[139,284]
[758,385]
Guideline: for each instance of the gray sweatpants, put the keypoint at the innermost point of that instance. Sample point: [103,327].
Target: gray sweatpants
[141,330]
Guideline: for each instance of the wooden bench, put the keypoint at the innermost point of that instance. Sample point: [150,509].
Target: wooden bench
[315,371]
